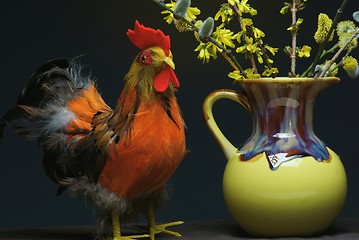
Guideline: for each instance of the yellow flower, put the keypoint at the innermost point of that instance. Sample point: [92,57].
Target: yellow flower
[344,27]
[225,12]
[272,50]
[232,2]
[206,51]
[224,36]
[250,46]
[236,75]
[246,22]
[350,64]
[258,33]
[270,72]
[324,24]
[169,18]
[250,73]
[304,51]
[243,7]
[240,49]
[192,13]
[238,36]
[285,9]
[295,26]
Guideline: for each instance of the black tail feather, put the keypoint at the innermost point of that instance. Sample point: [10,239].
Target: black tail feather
[42,114]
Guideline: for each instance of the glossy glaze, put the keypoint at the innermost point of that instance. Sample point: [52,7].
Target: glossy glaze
[283,181]
[302,197]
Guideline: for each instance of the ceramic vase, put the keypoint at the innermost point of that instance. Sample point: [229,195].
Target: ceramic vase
[283,181]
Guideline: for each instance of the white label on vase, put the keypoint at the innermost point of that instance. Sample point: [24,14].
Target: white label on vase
[277,159]
[283,102]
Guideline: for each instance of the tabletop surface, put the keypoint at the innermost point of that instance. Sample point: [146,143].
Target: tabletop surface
[210,229]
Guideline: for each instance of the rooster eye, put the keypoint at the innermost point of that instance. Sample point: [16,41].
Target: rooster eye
[145,58]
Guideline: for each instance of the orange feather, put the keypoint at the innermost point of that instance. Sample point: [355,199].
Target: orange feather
[84,108]
[156,148]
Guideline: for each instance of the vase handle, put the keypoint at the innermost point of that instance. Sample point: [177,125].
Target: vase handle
[224,143]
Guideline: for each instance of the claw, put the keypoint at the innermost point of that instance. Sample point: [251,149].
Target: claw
[128,237]
[117,230]
[161,228]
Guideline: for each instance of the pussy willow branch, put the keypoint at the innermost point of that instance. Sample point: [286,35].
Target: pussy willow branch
[230,57]
[337,65]
[339,52]
[326,40]
[294,10]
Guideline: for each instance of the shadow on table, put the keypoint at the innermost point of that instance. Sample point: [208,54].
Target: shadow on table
[67,233]
[217,229]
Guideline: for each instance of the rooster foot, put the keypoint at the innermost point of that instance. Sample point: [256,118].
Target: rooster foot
[128,237]
[161,228]
[131,237]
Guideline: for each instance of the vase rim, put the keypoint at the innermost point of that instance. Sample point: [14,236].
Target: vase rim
[287,80]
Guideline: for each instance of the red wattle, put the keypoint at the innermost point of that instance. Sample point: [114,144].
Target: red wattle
[161,81]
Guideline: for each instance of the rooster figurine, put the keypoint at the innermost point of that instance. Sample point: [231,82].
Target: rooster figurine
[119,158]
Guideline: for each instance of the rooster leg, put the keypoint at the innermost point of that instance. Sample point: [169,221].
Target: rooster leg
[116,229]
[161,228]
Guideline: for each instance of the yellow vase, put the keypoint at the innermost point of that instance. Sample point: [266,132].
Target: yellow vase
[283,181]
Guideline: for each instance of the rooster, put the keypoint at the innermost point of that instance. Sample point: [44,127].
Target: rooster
[119,158]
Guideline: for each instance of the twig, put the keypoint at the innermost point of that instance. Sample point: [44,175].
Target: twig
[339,52]
[244,36]
[326,40]
[211,39]
[262,47]
[294,38]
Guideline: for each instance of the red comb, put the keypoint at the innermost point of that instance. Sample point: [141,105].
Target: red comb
[145,37]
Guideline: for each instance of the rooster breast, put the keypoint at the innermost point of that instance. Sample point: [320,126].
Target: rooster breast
[143,161]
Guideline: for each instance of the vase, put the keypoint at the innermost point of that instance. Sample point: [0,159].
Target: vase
[283,181]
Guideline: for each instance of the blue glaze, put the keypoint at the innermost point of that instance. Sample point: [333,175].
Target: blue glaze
[283,121]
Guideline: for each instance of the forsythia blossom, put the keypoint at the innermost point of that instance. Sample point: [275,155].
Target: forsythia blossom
[224,36]
[236,75]
[250,73]
[304,51]
[225,13]
[206,51]
[269,72]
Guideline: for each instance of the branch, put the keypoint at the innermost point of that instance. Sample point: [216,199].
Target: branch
[250,55]
[322,74]
[210,39]
[326,40]
[294,39]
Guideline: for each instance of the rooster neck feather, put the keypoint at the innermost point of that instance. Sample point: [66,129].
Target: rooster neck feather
[140,78]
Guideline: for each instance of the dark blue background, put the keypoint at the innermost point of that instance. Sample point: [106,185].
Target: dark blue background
[32,32]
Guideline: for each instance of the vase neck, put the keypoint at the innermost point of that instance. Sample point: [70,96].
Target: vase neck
[283,121]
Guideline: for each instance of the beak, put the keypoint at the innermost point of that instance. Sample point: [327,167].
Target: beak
[170,62]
